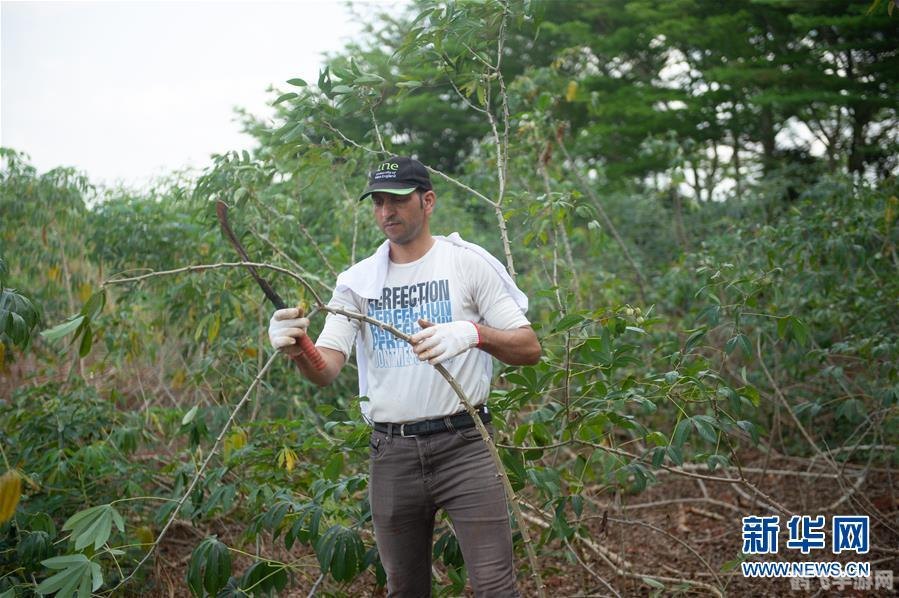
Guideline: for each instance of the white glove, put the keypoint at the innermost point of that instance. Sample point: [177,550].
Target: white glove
[285,329]
[439,342]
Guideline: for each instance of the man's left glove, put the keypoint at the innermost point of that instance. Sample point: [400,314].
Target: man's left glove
[439,342]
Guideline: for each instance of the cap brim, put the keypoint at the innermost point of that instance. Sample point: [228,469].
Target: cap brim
[386,188]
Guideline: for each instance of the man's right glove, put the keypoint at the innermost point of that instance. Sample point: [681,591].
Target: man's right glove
[285,329]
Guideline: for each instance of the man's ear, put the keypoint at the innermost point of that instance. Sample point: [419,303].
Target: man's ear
[429,200]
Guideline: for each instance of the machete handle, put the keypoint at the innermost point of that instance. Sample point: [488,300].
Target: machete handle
[313,355]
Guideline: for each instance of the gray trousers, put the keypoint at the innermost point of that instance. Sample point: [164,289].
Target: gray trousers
[413,477]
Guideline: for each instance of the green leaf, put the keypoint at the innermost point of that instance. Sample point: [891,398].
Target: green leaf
[77,575]
[95,532]
[675,454]
[34,547]
[799,330]
[341,89]
[751,428]
[705,425]
[334,467]
[18,317]
[369,79]
[732,564]
[92,526]
[305,527]
[65,561]
[658,455]
[782,326]
[61,330]
[409,84]
[730,345]
[209,568]
[567,322]
[324,79]
[681,431]
[214,328]
[87,339]
[340,551]
[297,82]
[94,305]
[264,577]
[42,522]
[190,415]
[482,95]
[653,582]
[656,438]
[295,133]
[285,96]
[693,339]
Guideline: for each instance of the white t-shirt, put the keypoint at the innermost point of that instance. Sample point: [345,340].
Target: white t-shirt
[448,283]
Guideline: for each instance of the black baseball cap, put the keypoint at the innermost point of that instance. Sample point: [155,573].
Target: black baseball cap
[398,175]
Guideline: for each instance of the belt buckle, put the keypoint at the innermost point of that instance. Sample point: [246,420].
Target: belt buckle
[403,432]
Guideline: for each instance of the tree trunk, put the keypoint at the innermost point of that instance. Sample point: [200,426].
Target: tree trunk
[735,162]
[861,116]
[767,134]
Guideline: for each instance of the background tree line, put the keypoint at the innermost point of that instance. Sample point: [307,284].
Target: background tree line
[699,197]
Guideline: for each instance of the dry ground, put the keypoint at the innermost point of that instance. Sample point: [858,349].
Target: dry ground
[680,528]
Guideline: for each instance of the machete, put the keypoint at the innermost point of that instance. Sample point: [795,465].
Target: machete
[309,349]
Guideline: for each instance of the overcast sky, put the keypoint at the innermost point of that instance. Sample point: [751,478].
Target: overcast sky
[126,91]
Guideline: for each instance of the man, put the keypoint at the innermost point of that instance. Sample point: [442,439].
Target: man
[425,452]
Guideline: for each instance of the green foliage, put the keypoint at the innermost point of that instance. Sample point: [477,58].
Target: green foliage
[93,526]
[264,579]
[340,552]
[210,568]
[18,318]
[78,576]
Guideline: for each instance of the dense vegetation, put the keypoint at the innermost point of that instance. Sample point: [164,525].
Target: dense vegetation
[699,197]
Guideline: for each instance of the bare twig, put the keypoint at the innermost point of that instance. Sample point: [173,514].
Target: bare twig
[461,95]
[292,262]
[462,185]
[315,586]
[218,266]
[374,123]
[306,234]
[589,570]
[665,503]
